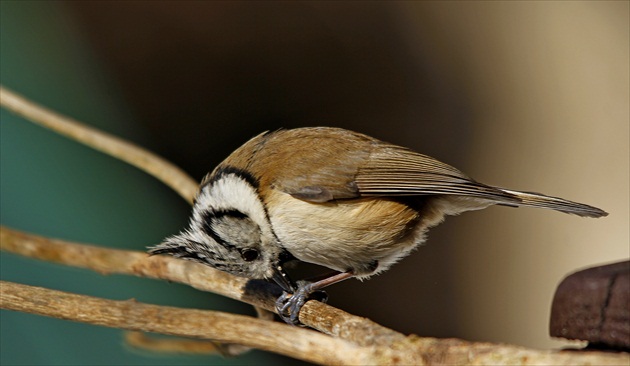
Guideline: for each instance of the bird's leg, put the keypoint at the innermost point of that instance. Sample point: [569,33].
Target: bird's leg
[289,305]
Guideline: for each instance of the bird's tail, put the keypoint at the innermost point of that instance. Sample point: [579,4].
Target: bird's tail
[531,199]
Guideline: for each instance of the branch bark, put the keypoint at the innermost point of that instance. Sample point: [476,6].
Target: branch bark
[270,336]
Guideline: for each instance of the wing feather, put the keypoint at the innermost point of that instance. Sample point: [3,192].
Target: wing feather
[397,171]
[323,164]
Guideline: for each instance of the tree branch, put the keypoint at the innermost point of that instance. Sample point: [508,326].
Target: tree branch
[158,167]
[270,336]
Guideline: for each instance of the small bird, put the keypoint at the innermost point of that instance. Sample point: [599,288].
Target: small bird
[332,197]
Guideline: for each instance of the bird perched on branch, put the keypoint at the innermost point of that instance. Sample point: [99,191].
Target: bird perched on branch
[331,197]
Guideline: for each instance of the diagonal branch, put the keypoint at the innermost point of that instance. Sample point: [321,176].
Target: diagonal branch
[142,159]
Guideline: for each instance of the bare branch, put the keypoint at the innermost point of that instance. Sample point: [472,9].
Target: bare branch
[142,159]
[270,336]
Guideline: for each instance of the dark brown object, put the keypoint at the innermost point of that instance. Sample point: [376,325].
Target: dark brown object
[594,305]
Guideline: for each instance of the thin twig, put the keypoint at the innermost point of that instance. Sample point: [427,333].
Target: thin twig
[143,159]
[147,342]
[144,341]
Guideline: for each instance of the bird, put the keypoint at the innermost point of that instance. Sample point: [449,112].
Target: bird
[331,197]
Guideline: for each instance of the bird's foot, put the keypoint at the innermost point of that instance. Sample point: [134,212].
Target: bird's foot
[289,305]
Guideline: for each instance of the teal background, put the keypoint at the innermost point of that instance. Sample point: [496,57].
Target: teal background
[55,187]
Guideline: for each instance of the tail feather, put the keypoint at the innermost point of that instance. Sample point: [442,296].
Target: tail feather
[531,199]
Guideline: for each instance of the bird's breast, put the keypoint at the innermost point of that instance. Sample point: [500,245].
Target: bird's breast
[353,234]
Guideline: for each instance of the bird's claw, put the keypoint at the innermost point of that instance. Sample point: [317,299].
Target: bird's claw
[289,305]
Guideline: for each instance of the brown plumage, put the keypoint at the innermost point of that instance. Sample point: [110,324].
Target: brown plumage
[321,164]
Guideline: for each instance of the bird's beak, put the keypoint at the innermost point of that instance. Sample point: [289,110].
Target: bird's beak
[280,277]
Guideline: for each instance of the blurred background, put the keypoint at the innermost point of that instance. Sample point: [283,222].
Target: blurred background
[525,95]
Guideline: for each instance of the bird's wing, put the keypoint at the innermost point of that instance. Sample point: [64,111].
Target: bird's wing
[395,171]
[359,166]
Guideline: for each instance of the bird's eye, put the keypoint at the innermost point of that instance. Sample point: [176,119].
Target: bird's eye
[249,254]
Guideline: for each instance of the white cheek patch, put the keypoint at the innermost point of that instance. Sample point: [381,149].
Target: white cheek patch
[231,192]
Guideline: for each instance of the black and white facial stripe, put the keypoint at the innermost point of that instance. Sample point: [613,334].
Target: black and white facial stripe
[228,228]
[232,193]
[229,222]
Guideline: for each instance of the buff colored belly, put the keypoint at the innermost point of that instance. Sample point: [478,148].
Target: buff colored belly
[347,234]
